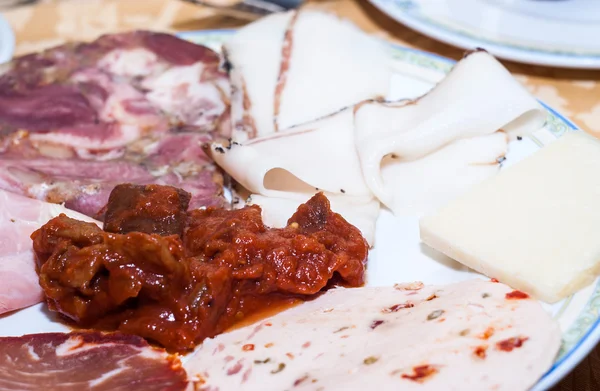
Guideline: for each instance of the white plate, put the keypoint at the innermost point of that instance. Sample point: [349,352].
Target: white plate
[544,32]
[7,41]
[398,256]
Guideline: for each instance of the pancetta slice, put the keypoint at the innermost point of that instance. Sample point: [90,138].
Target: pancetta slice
[361,212]
[478,97]
[19,217]
[255,55]
[333,64]
[427,183]
[474,335]
[87,361]
[292,68]
[319,156]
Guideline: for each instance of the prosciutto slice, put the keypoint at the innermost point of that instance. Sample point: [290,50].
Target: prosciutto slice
[87,361]
[19,217]
[478,98]
[475,335]
[292,68]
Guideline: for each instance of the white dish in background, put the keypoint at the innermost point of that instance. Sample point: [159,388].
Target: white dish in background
[550,32]
[398,255]
[7,41]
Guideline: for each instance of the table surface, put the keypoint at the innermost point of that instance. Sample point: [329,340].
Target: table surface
[574,93]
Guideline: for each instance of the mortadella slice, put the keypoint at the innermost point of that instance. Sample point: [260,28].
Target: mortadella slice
[474,335]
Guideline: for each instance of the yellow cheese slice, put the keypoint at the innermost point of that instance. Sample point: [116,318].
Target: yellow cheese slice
[535,226]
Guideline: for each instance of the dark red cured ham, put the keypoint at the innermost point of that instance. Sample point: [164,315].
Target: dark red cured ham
[87,361]
[136,107]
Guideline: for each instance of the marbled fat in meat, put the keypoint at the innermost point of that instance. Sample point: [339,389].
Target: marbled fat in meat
[87,361]
[133,107]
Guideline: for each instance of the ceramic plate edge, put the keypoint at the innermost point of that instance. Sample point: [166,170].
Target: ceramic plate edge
[395,9]
[7,40]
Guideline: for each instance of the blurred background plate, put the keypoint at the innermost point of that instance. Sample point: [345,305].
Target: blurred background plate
[544,32]
[7,41]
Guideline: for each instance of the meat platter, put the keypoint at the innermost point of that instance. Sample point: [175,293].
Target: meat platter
[253,166]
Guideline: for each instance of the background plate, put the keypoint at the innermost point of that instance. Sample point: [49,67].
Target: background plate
[555,33]
[398,255]
[7,41]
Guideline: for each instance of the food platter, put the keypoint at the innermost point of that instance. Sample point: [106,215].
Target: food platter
[398,255]
[553,33]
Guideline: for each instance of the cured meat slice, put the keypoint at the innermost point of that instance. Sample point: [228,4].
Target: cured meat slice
[289,69]
[86,361]
[466,336]
[19,217]
[283,170]
[85,186]
[318,156]
[80,118]
[478,98]
[150,209]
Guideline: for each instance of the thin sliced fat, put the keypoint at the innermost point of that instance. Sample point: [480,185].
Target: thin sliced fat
[333,65]
[422,185]
[477,98]
[361,212]
[19,217]
[254,53]
[464,336]
[319,156]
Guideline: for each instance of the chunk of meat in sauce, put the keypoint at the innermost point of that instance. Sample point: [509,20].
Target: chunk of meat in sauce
[300,258]
[151,209]
[178,291]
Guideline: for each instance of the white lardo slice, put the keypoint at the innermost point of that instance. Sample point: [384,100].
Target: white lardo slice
[534,225]
[421,186]
[255,54]
[465,336]
[19,217]
[361,212]
[478,97]
[317,156]
[333,64]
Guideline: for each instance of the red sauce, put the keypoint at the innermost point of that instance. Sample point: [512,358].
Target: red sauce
[480,351]
[420,373]
[494,280]
[487,333]
[516,295]
[509,344]
[178,290]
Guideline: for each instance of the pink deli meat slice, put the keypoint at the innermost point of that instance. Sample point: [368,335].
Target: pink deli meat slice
[87,361]
[471,336]
[19,217]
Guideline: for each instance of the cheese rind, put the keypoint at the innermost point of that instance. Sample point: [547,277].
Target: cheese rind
[534,226]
